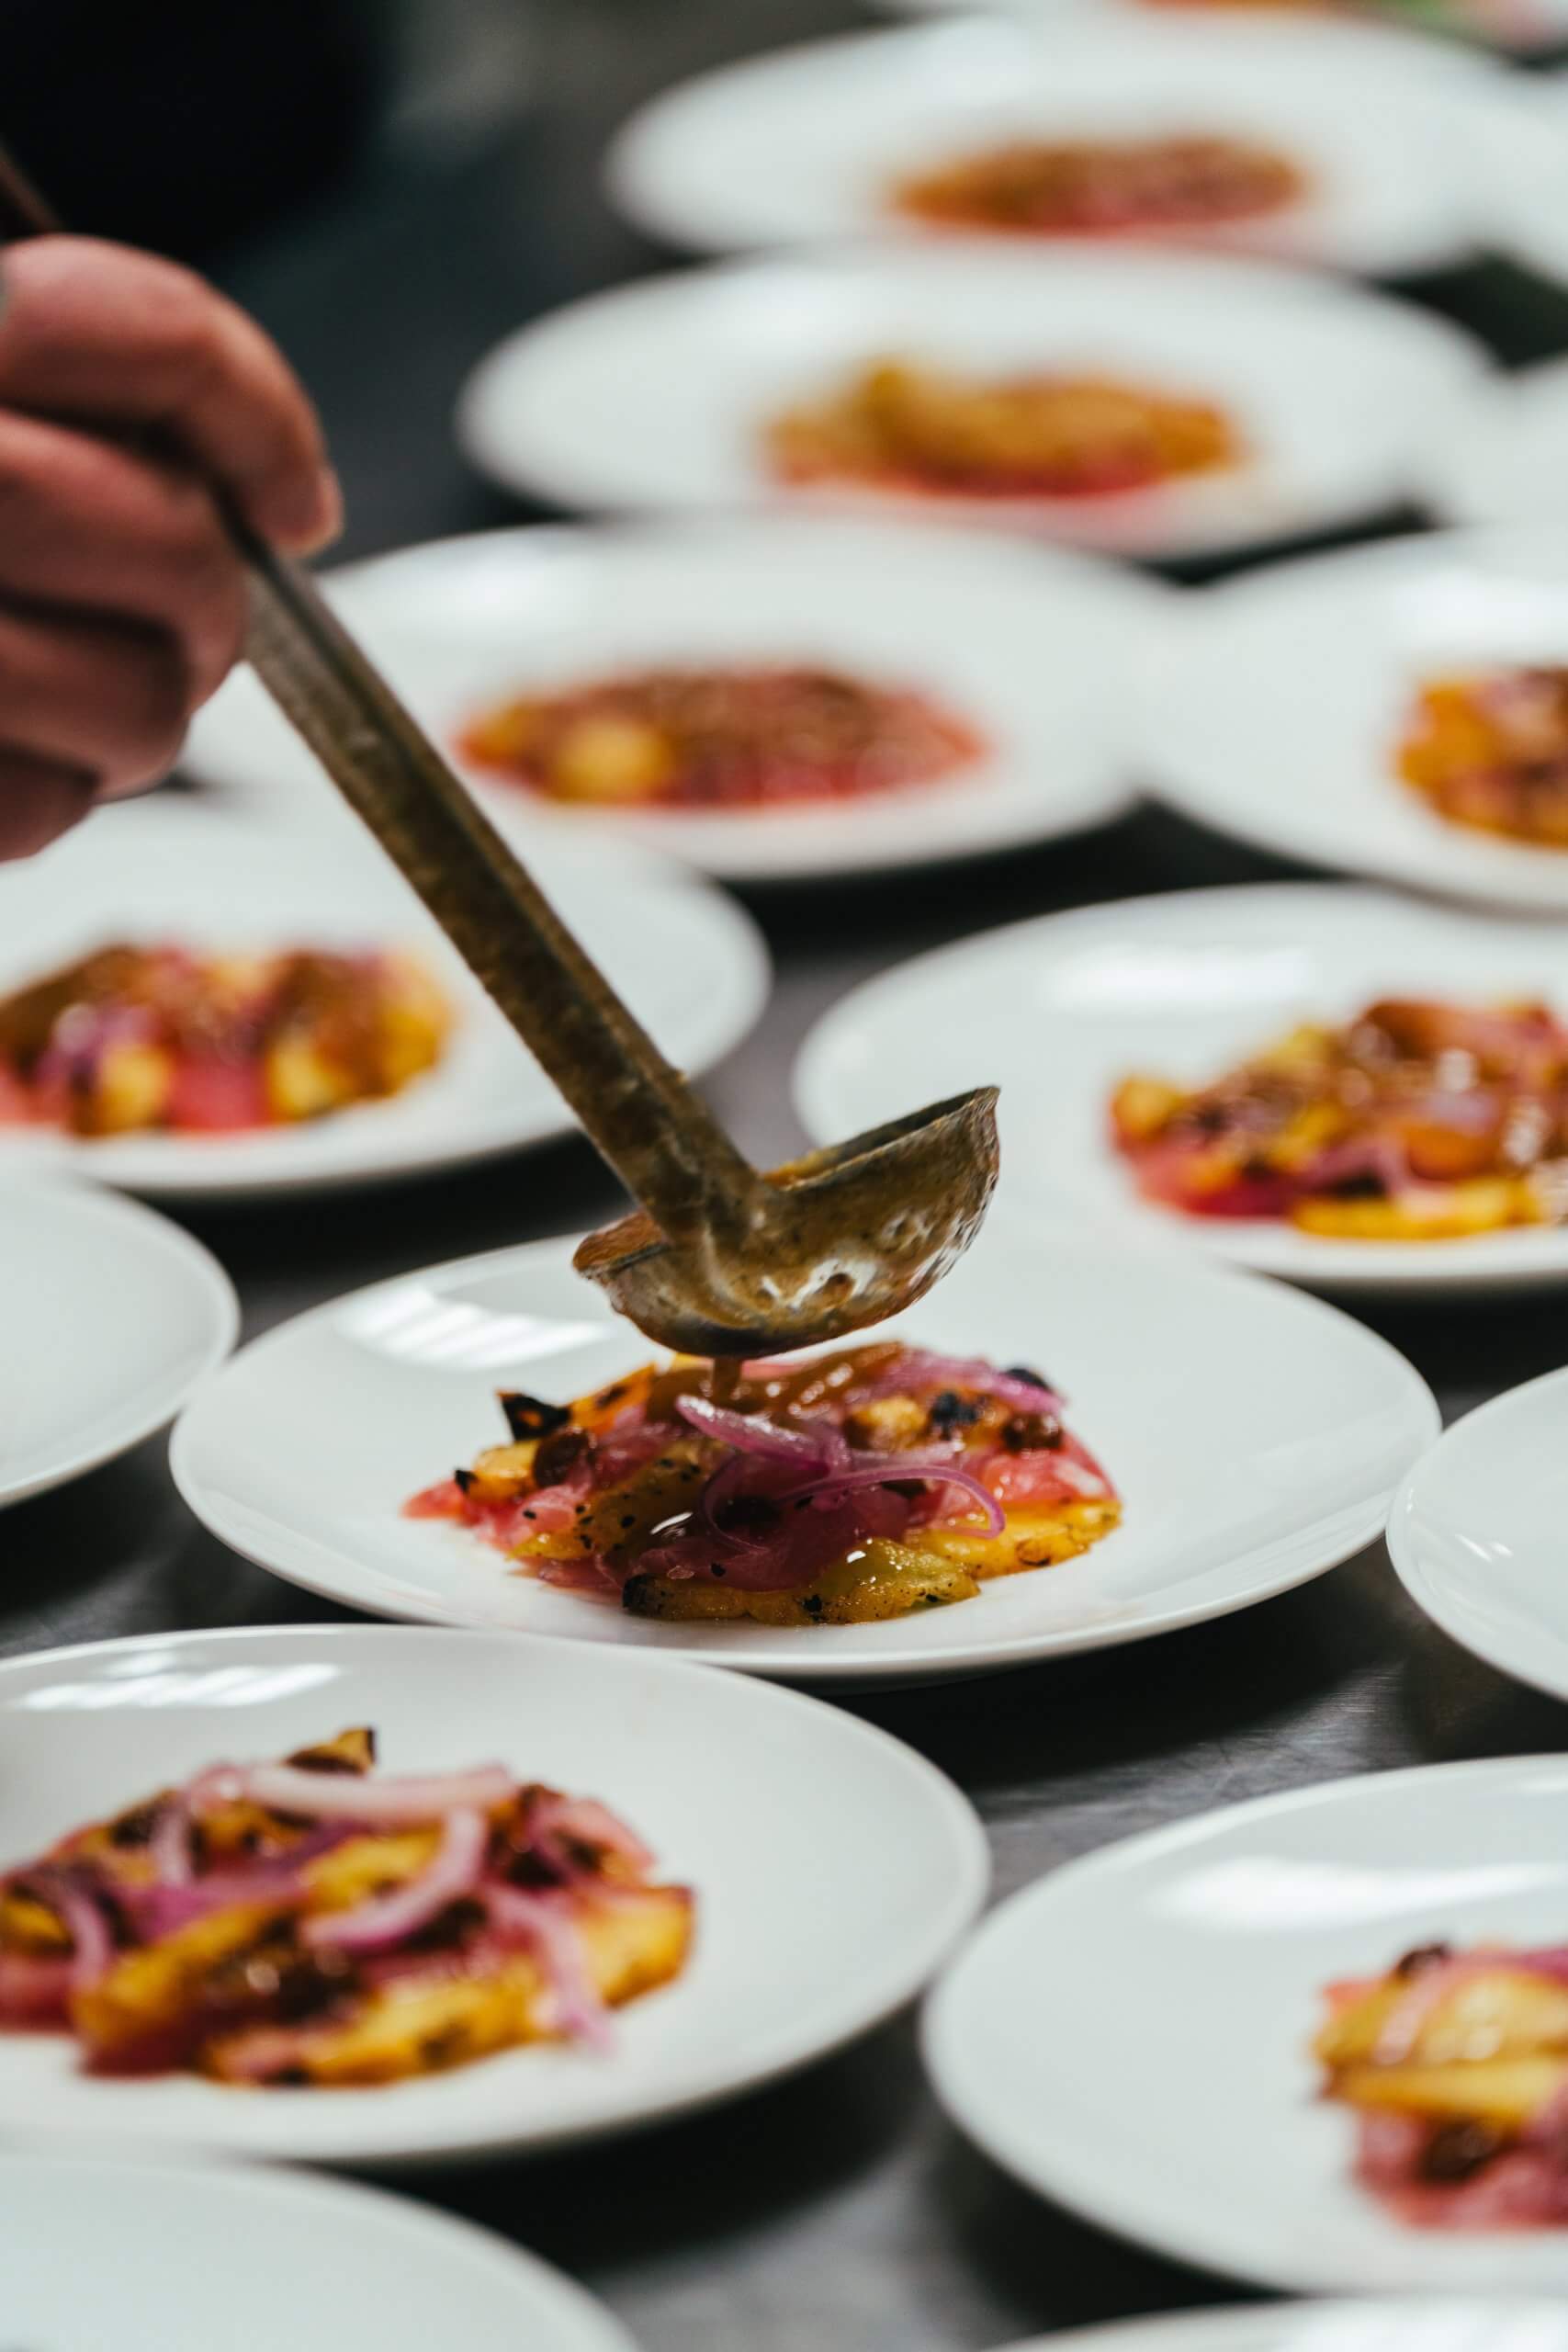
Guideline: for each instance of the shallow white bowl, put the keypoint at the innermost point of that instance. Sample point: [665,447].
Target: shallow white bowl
[112,1316]
[780,1813]
[656,395]
[1508,25]
[1131,2036]
[106,2254]
[1476,1533]
[463,623]
[1273,704]
[690,960]
[808,142]
[1182,984]
[1235,1487]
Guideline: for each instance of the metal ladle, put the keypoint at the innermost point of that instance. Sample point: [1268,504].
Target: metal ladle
[720,1259]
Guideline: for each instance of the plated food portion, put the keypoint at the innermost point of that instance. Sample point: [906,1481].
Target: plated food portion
[835,1489]
[1455,2065]
[455,1940]
[286,1016]
[1208,403]
[1380,1958]
[767,698]
[134,1036]
[896,425]
[1396,710]
[112,1316]
[1226,128]
[313,1924]
[815,1522]
[190,2253]
[1412,1121]
[1475,1533]
[715,738]
[1340,1086]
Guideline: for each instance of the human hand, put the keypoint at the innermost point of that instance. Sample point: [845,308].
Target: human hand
[126,384]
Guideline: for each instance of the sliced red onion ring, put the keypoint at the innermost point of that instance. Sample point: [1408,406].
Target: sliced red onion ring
[918,1368]
[387,1919]
[83,1918]
[170,1845]
[351,1796]
[752,1433]
[593,1823]
[892,1469]
[544,1924]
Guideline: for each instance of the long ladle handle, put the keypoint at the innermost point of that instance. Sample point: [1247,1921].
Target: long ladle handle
[652,1127]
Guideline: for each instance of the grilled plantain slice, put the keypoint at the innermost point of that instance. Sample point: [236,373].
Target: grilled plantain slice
[423,2025]
[1500,2014]
[1506,2093]
[881,1579]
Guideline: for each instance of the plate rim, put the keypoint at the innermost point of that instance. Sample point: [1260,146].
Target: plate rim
[1125,2217]
[968,1659]
[1496,1651]
[211,1281]
[297,2187]
[897,1986]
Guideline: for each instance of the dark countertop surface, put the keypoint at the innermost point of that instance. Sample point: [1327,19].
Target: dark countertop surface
[839,2211]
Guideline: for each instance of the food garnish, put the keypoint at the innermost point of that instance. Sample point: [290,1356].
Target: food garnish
[1079,188]
[136,1038]
[1414,1120]
[738,737]
[1489,749]
[865,1482]
[899,426]
[311,1923]
[1456,2064]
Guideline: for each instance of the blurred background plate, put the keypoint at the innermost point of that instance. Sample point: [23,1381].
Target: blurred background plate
[1476,1533]
[136,2255]
[1180,984]
[1509,2324]
[658,394]
[168,868]
[1274,704]
[1503,454]
[464,623]
[302,1455]
[811,143]
[1525,26]
[1181,2110]
[112,1316]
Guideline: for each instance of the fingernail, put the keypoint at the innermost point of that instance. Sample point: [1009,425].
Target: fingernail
[312,514]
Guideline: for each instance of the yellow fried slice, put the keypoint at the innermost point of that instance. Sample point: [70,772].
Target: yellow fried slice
[1499,2014]
[880,1580]
[1035,1536]
[149,1993]
[1506,2092]
[414,2027]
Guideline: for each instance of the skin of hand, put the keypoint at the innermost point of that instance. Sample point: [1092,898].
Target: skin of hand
[126,383]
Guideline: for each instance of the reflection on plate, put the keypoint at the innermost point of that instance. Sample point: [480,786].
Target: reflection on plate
[213,882]
[658,395]
[1185,984]
[466,624]
[112,1316]
[1277,706]
[1476,1533]
[826,1818]
[303,1455]
[1229,130]
[1191,2120]
[125,2256]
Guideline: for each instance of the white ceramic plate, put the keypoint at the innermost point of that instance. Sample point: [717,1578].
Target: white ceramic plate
[656,395]
[111,1318]
[809,142]
[690,961]
[1273,704]
[100,2255]
[1509,25]
[465,622]
[1526,184]
[780,1813]
[1509,2324]
[1234,1488]
[1181,984]
[1502,458]
[1476,1533]
[1131,2036]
